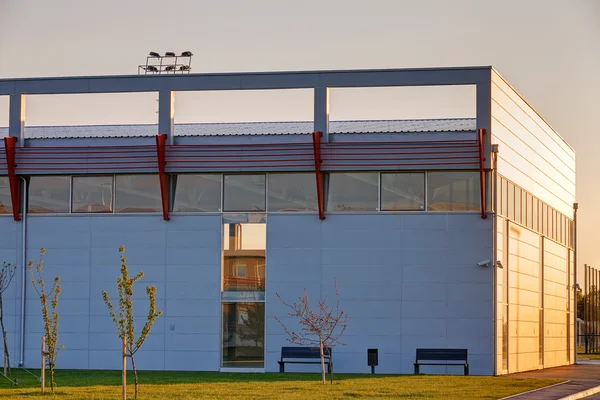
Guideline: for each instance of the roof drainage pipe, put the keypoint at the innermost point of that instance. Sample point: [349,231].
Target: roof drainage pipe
[23,273]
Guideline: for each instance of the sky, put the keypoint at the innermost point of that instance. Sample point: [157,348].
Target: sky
[548,50]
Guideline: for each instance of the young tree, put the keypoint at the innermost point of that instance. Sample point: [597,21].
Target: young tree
[124,322]
[49,316]
[7,273]
[322,327]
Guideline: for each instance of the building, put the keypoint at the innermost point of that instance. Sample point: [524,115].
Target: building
[441,233]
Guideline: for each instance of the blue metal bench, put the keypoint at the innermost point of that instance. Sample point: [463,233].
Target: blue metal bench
[304,355]
[450,356]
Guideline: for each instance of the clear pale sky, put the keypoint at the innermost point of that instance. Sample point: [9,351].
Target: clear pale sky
[549,50]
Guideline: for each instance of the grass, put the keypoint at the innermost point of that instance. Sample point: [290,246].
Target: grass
[590,356]
[88,384]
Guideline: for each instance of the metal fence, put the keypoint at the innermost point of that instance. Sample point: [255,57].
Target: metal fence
[588,339]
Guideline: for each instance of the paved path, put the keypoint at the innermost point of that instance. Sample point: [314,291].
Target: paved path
[581,377]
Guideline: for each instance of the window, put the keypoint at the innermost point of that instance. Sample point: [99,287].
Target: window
[353,191]
[403,191]
[453,191]
[244,192]
[197,193]
[244,255]
[5,199]
[243,335]
[292,192]
[243,290]
[92,194]
[138,193]
[49,194]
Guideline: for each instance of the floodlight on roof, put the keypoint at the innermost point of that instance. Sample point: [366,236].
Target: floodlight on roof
[157,64]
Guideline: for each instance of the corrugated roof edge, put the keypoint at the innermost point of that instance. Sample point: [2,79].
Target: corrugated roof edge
[423,129]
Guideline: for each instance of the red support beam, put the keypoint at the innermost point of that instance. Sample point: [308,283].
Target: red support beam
[13,180]
[161,141]
[317,150]
[482,187]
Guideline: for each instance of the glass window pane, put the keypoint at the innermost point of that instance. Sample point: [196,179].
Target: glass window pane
[403,191]
[197,193]
[453,191]
[5,199]
[243,335]
[244,256]
[138,193]
[49,194]
[244,192]
[353,191]
[92,194]
[292,192]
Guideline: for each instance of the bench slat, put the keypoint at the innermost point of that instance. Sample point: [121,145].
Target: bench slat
[451,356]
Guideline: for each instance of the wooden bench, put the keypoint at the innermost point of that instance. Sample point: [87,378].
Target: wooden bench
[304,355]
[450,356]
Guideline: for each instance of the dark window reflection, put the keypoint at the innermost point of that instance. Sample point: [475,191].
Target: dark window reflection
[243,335]
[138,193]
[5,200]
[403,191]
[292,192]
[454,191]
[244,192]
[49,194]
[92,194]
[198,193]
[353,191]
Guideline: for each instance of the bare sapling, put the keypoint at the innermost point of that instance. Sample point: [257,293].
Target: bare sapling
[49,313]
[7,273]
[322,327]
[124,321]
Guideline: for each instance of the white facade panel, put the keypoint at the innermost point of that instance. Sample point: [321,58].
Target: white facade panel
[531,153]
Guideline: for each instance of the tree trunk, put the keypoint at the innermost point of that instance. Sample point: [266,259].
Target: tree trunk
[6,356]
[322,360]
[135,378]
[51,367]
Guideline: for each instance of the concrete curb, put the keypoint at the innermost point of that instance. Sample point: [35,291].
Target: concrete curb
[583,394]
[534,390]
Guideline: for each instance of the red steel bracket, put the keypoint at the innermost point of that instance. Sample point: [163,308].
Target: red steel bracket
[15,193]
[161,141]
[317,150]
[482,187]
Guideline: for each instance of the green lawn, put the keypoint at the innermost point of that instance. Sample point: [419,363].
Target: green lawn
[581,354]
[85,384]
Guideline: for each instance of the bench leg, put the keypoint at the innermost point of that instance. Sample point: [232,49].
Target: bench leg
[467,369]
[281,367]
[416,368]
